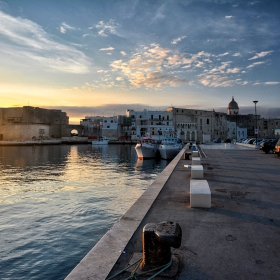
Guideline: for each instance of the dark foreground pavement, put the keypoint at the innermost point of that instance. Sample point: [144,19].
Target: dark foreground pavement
[239,237]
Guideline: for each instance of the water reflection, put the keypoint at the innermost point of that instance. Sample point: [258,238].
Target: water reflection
[60,197]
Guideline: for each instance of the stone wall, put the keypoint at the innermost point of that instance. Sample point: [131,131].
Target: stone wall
[25,123]
[24,132]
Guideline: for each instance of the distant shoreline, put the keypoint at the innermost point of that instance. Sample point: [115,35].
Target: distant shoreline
[70,141]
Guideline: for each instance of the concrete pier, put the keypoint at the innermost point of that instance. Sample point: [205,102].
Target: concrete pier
[237,238]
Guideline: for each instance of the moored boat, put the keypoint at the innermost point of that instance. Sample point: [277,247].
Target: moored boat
[101,141]
[169,147]
[146,148]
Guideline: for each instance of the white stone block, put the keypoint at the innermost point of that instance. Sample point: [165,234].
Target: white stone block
[200,194]
[195,154]
[197,172]
[196,161]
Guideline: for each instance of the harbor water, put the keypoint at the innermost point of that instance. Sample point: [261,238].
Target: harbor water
[57,201]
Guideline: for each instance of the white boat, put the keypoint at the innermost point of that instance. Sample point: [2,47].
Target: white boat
[169,147]
[100,141]
[146,148]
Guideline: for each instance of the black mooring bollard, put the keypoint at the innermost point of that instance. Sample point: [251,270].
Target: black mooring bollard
[187,155]
[157,240]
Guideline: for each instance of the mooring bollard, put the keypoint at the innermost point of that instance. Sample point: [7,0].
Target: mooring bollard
[157,240]
[187,155]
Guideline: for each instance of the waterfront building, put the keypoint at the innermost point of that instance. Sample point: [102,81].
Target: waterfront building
[198,125]
[157,124]
[110,127]
[126,128]
[91,126]
[27,122]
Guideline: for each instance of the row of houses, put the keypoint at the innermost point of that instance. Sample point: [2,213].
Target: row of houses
[26,123]
[186,124]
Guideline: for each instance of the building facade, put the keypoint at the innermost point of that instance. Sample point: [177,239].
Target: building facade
[26,123]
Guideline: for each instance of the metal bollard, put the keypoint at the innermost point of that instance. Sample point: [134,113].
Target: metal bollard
[157,240]
[187,155]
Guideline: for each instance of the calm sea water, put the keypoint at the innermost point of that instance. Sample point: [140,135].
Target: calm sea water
[57,201]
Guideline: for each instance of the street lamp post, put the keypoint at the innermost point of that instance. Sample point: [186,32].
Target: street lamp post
[256,123]
[235,126]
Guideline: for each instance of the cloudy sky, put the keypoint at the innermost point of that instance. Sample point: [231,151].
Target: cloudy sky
[100,57]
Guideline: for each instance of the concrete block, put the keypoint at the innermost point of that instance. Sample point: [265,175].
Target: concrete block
[195,154]
[197,172]
[200,194]
[196,161]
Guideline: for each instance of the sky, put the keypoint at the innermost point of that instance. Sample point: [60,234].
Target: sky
[101,57]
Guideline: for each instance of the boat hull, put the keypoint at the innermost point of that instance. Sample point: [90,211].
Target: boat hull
[169,152]
[100,143]
[146,151]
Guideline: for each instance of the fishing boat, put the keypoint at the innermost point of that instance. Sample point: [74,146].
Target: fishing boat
[146,148]
[101,141]
[170,147]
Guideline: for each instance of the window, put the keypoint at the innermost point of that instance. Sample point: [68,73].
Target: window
[207,121]
[152,117]
[152,123]
[167,117]
[159,117]
[167,123]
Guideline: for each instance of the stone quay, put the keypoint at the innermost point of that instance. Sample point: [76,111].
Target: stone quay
[238,237]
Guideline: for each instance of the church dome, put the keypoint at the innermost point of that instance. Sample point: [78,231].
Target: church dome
[233,107]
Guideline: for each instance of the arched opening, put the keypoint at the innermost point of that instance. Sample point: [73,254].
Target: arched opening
[74,132]
[188,136]
[193,136]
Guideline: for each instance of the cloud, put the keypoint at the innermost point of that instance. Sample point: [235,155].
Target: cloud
[223,54]
[272,83]
[255,64]
[228,17]
[175,41]
[233,70]
[107,49]
[123,53]
[107,28]
[64,27]
[260,55]
[25,39]
[62,30]
[148,68]
[236,54]
[119,78]
[218,81]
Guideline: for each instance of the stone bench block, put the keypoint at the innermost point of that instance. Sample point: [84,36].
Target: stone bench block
[197,172]
[195,154]
[196,161]
[200,194]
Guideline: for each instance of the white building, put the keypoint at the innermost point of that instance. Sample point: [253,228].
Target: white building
[233,128]
[110,127]
[157,124]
